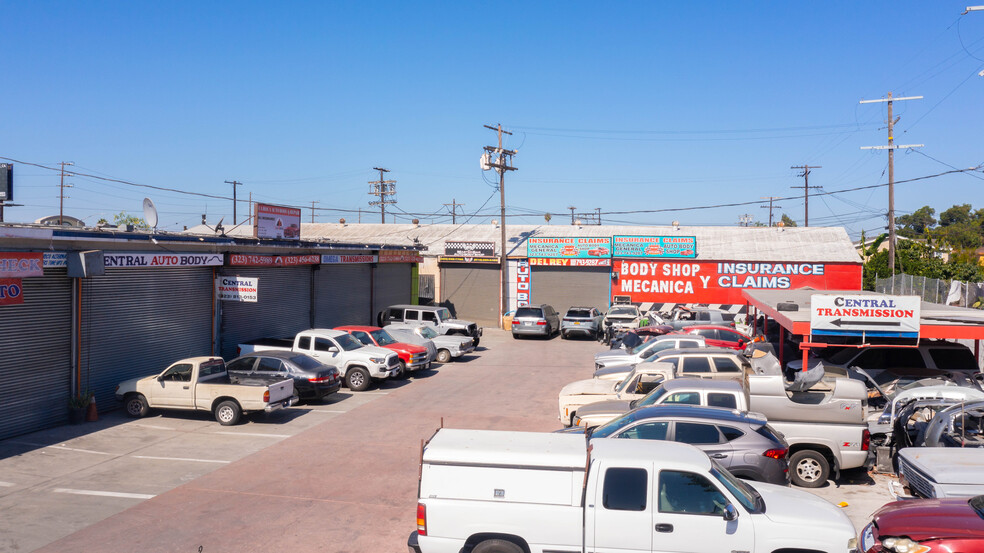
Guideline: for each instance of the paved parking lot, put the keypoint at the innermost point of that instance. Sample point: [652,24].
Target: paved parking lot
[336,476]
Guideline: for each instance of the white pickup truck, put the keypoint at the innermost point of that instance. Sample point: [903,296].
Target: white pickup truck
[202,384]
[489,491]
[359,365]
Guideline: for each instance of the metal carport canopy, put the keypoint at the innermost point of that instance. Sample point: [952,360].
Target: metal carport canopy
[935,320]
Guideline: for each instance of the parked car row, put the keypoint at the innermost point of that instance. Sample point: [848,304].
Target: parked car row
[275,373]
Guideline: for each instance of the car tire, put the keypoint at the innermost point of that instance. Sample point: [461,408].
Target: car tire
[808,469]
[497,546]
[136,406]
[357,379]
[443,356]
[403,371]
[228,413]
[563,335]
[515,336]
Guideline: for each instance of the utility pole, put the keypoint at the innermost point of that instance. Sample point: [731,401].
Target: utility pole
[501,164]
[61,192]
[770,208]
[454,207]
[382,188]
[806,190]
[312,208]
[234,184]
[572,208]
[891,171]
[745,219]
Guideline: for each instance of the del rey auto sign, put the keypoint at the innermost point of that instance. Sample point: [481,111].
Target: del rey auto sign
[865,314]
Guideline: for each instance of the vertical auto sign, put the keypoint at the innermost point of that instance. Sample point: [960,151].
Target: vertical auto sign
[522,283]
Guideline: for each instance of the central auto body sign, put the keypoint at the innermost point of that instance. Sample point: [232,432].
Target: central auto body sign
[127,260]
[236,288]
[561,248]
[711,282]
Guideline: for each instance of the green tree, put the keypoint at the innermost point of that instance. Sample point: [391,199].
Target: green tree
[955,215]
[787,222]
[916,224]
[123,218]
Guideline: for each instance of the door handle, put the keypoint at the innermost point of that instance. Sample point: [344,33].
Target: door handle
[185,387]
[664,527]
[719,456]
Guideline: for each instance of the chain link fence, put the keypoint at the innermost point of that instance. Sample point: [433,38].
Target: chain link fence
[946,292]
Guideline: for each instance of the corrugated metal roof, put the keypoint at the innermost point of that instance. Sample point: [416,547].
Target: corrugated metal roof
[816,244]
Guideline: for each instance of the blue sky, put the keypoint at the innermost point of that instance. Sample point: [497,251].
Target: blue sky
[633,106]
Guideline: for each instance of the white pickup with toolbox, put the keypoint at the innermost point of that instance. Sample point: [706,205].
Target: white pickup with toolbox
[484,491]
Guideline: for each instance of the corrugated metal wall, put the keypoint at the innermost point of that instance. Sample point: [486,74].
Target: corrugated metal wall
[342,296]
[564,287]
[473,290]
[36,355]
[282,309]
[391,283]
[136,322]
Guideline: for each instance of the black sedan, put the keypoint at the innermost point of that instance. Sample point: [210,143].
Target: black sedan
[313,380]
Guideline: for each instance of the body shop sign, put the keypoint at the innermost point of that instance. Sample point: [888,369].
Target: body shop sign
[11,291]
[655,246]
[561,248]
[709,282]
[274,221]
[236,288]
[127,260]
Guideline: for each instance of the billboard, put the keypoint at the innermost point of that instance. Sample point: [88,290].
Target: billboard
[274,221]
[469,249]
[722,282]
[6,182]
[654,246]
[571,262]
[594,247]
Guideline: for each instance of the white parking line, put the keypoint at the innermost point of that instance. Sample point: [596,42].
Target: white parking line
[6,484]
[152,426]
[253,434]
[326,411]
[104,494]
[179,459]
[66,448]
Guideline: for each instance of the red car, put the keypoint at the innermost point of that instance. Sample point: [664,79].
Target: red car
[926,525]
[598,252]
[412,357]
[719,336]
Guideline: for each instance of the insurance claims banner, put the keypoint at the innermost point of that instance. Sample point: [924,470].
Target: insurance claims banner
[722,282]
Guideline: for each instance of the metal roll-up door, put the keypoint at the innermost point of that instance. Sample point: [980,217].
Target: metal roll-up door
[342,294]
[136,322]
[564,287]
[36,355]
[473,290]
[392,283]
[282,309]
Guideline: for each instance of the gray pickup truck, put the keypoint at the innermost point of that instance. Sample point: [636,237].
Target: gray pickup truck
[446,346]
[439,318]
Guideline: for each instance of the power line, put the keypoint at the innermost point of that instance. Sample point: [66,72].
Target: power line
[806,190]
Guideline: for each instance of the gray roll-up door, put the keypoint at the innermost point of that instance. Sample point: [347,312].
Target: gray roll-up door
[136,322]
[564,287]
[342,294]
[282,309]
[392,283]
[36,355]
[473,291]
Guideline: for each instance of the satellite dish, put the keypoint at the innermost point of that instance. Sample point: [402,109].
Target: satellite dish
[150,213]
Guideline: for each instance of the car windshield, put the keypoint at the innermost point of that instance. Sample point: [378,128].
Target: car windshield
[529,312]
[579,313]
[843,356]
[306,362]
[624,310]
[638,348]
[382,337]
[651,398]
[613,425]
[427,332]
[745,494]
[977,504]
[347,342]
[443,314]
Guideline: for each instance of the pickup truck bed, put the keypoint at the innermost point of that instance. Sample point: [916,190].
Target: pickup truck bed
[279,343]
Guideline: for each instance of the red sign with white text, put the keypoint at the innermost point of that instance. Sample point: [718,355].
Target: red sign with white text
[11,291]
[522,283]
[273,260]
[722,282]
[541,262]
[394,256]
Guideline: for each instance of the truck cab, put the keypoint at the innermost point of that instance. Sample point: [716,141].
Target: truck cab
[359,365]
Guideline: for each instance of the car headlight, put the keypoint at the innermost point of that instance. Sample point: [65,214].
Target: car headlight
[904,545]
[378,360]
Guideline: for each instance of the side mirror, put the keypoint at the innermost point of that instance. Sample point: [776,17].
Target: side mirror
[332,349]
[730,512]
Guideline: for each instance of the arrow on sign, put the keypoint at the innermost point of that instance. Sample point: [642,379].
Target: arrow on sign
[840,322]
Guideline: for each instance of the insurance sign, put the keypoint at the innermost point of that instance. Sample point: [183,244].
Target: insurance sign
[865,314]
[654,246]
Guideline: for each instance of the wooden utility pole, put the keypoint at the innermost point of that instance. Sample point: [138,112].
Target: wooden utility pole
[806,190]
[61,192]
[234,184]
[572,208]
[382,188]
[891,171]
[312,208]
[454,207]
[770,207]
[500,159]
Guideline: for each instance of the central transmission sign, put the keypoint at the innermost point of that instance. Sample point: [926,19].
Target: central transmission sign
[865,315]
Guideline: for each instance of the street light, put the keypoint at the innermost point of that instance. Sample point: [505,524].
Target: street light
[973,9]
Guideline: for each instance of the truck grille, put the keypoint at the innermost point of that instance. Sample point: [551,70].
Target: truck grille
[418,357]
[393,361]
[918,482]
